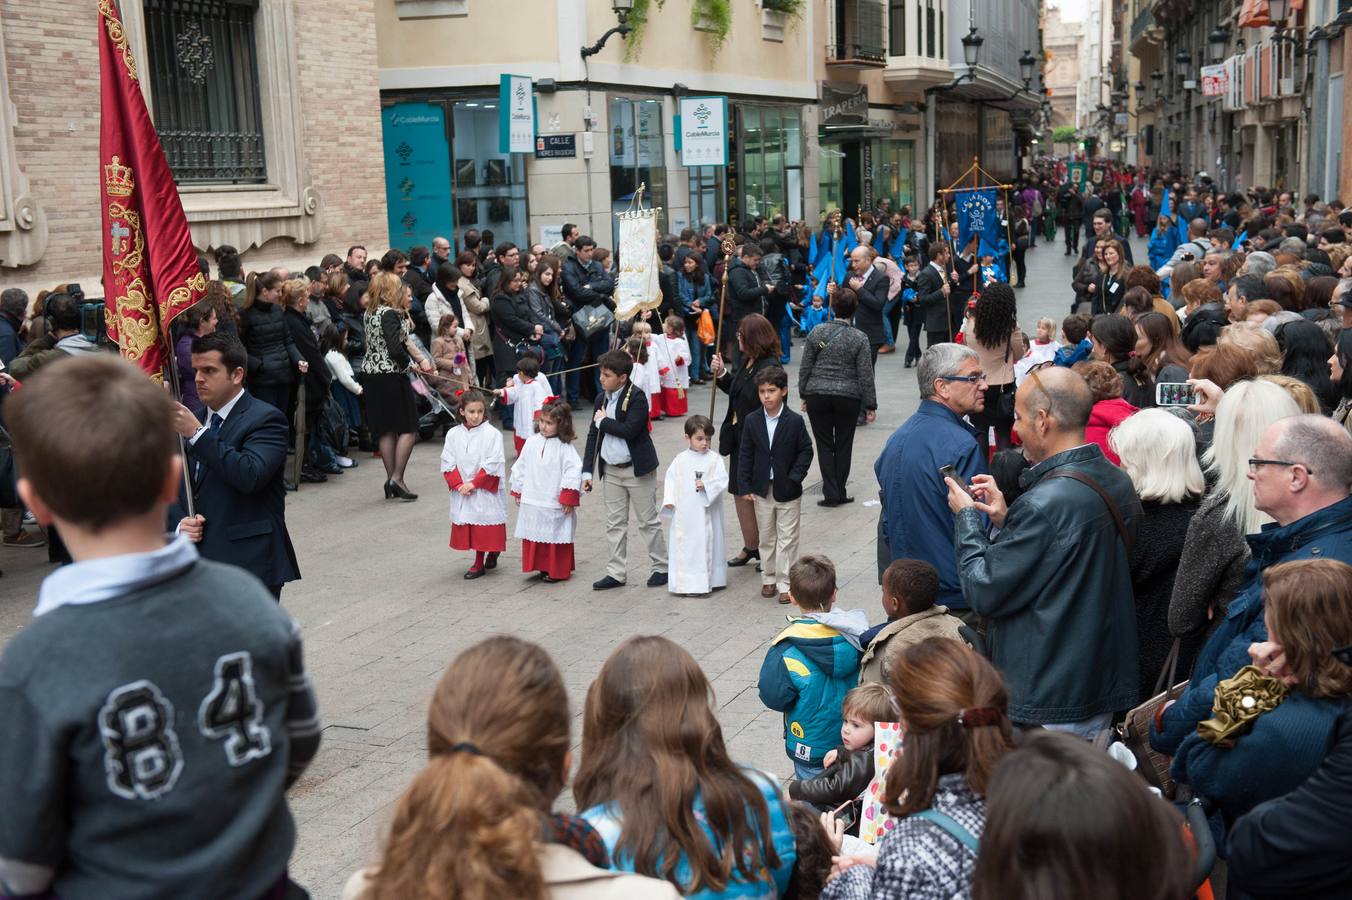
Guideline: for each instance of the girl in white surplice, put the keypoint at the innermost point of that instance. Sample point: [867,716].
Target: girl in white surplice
[473,464]
[693,500]
[546,482]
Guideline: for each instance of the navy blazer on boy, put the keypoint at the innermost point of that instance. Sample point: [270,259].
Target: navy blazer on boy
[789,456]
[630,425]
[237,485]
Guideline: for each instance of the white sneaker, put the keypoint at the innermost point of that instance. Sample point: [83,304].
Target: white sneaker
[346,462]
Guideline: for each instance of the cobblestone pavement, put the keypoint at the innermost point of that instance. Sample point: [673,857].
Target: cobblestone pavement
[383,608]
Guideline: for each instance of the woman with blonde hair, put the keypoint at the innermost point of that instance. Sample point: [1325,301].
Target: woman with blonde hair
[1211,567]
[658,784]
[953,706]
[391,351]
[1159,454]
[475,823]
[1257,341]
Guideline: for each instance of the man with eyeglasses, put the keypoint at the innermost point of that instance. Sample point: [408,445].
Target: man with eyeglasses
[1054,584]
[1302,477]
[915,522]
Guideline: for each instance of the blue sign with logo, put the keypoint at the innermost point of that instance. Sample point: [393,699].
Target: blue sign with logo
[417,173]
[976,215]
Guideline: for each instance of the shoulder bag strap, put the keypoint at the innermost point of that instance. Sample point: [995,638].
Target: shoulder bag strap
[1170,670]
[1084,479]
[952,826]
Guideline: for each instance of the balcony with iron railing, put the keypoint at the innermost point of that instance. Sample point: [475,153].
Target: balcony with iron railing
[859,33]
[1144,30]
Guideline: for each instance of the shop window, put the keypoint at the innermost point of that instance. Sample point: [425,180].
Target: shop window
[771,162]
[637,157]
[830,186]
[204,86]
[708,188]
[490,187]
[894,172]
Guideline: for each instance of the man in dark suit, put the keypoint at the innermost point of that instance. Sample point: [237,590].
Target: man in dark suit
[871,285]
[963,277]
[621,449]
[931,291]
[772,460]
[236,451]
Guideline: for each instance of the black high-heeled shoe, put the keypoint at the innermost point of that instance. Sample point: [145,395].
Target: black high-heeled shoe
[389,490]
[402,493]
[745,557]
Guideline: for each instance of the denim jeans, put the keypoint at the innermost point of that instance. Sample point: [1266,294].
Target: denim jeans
[785,338]
[1087,729]
[803,770]
[348,402]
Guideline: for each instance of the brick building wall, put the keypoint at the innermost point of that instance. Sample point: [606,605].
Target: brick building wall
[51,52]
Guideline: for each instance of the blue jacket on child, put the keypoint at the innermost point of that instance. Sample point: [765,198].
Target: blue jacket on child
[806,675]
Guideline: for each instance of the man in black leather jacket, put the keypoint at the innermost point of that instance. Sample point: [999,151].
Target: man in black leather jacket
[1054,585]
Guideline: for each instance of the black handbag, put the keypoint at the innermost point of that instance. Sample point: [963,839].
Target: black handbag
[592,319]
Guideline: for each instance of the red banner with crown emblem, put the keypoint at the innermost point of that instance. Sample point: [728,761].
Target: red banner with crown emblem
[150,272]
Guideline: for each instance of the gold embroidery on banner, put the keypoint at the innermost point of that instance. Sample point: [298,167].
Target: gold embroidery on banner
[118,36]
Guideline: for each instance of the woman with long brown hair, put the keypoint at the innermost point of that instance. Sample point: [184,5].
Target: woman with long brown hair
[391,411]
[759,346]
[953,706]
[475,823]
[657,782]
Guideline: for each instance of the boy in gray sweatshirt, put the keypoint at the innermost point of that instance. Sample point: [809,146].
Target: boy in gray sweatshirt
[156,709]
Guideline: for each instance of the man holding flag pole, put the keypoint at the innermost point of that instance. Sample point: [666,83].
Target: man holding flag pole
[233,501]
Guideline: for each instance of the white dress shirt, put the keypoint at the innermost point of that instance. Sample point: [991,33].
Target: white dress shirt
[771,423]
[223,412]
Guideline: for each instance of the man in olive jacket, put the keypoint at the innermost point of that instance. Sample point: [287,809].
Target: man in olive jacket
[1054,584]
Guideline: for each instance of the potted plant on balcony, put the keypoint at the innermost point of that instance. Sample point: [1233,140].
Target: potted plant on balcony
[714,17]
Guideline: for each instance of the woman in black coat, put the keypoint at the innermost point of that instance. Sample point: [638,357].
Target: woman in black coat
[273,357]
[759,347]
[319,459]
[1159,453]
[511,322]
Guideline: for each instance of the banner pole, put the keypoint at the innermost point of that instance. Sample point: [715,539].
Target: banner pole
[177,390]
[728,246]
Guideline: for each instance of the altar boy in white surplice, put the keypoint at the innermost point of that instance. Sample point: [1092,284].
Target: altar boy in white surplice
[692,499]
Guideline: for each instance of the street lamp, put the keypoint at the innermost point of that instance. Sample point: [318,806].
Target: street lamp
[622,10]
[1217,42]
[1184,60]
[1156,83]
[971,47]
[1277,10]
[1026,64]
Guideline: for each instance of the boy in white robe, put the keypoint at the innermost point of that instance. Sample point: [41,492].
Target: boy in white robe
[692,498]
[473,464]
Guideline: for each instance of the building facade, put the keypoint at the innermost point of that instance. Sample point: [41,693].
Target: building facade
[270,129]
[1251,100]
[1061,38]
